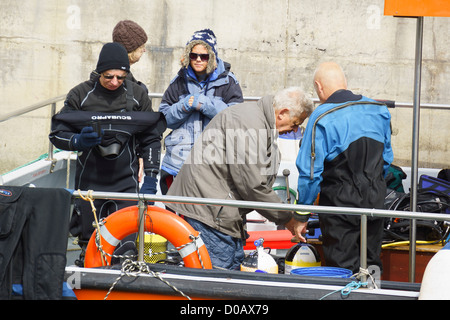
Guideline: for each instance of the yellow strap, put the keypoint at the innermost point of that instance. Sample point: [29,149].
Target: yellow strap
[302,213]
[97,226]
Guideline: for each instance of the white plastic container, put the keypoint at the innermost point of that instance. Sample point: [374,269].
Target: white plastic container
[436,278]
[259,260]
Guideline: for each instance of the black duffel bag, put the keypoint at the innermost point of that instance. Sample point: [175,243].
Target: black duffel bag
[434,198]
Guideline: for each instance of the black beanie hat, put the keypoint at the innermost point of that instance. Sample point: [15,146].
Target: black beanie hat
[113,56]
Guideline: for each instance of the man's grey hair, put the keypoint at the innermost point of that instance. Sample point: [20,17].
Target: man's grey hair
[295,100]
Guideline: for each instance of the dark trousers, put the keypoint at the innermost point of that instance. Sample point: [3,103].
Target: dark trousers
[81,225]
[33,241]
[83,217]
[225,251]
[342,237]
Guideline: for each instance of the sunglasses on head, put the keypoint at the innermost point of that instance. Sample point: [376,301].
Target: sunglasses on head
[109,77]
[203,56]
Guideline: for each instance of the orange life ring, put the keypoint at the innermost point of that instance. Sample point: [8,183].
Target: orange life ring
[124,222]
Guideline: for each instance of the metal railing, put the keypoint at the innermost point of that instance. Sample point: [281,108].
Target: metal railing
[54,100]
[363,212]
[34,107]
[264,205]
[434,106]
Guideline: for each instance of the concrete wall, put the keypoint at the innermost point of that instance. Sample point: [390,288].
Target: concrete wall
[49,46]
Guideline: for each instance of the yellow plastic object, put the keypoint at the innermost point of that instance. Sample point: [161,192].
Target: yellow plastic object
[153,243]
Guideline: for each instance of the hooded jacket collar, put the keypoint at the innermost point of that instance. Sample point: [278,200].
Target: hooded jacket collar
[266,105]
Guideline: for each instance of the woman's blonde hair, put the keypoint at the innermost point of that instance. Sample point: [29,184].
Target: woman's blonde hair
[136,54]
[185,60]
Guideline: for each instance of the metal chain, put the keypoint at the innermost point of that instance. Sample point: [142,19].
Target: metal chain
[134,269]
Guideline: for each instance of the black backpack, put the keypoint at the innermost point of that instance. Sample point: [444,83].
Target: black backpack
[433,196]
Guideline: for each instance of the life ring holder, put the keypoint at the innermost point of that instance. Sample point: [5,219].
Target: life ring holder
[124,222]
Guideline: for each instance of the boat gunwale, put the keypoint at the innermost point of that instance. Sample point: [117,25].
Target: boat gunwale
[222,284]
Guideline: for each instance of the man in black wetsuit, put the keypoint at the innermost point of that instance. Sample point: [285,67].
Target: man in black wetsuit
[107,120]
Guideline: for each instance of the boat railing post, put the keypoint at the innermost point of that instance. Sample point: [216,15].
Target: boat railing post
[363,247]
[141,223]
[415,146]
[50,145]
[286,174]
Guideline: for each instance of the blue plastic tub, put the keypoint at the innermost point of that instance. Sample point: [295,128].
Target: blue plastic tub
[332,272]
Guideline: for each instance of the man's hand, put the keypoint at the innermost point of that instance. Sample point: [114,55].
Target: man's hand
[141,170]
[297,228]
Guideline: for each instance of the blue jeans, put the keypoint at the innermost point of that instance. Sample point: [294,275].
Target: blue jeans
[225,251]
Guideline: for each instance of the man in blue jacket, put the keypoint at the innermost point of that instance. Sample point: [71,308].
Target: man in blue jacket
[203,87]
[345,154]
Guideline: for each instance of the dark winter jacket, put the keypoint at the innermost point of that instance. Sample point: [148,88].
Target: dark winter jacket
[128,125]
[219,91]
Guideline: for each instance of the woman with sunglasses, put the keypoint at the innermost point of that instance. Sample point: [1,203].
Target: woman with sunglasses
[203,87]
